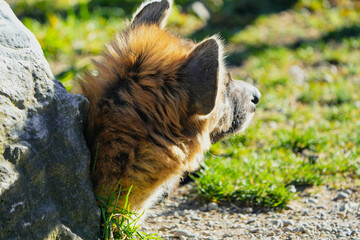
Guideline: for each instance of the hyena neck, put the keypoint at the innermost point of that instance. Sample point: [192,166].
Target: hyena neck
[149,167]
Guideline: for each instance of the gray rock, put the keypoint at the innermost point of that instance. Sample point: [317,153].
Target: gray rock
[289,229]
[325,227]
[348,191]
[313,200]
[322,216]
[349,207]
[247,210]
[254,230]
[235,226]
[251,221]
[228,235]
[45,188]
[278,223]
[288,223]
[303,228]
[180,232]
[203,208]
[292,189]
[306,212]
[341,195]
[210,224]
[195,218]
[213,206]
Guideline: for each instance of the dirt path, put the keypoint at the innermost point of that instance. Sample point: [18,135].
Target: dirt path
[318,213]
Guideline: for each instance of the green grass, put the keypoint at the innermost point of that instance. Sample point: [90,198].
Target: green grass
[305,132]
[119,222]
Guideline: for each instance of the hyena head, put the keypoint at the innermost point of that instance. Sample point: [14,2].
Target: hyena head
[228,104]
[157,103]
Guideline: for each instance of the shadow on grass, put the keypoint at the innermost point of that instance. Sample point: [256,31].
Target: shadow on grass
[237,14]
[236,58]
[40,9]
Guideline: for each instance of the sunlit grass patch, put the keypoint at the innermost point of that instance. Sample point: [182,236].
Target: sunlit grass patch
[119,222]
[247,181]
[306,128]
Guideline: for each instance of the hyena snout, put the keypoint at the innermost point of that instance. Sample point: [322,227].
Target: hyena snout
[251,94]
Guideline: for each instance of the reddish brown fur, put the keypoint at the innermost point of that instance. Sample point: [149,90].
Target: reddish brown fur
[145,136]
[156,104]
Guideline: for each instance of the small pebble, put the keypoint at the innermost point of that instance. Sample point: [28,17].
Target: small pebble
[341,195]
[213,206]
[289,229]
[306,212]
[254,230]
[195,218]
[278,223]
[235,226]
[312,200]
[227,235]
[325,227]
[247,210]
[349,207]
[341,215]
[348,191]
[179,233]
[203,208]
[288,223]
[210,224]
[292,189]
[250,221]
[301,229]
[206,233]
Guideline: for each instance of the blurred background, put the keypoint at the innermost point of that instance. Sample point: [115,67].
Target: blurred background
[71,31]
[303,55]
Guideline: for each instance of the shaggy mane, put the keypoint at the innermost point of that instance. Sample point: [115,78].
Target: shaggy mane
[139,110]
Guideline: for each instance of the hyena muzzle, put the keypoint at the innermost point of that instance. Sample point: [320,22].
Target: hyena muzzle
[157,103]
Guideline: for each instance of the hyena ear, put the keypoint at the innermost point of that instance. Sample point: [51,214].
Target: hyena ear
[152,12]
[202,71]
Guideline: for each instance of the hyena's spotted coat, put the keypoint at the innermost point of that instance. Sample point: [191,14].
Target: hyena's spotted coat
[156,104]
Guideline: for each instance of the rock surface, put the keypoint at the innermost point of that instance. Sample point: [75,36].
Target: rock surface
[45,188]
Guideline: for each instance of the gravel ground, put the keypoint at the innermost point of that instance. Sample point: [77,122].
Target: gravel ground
[318,213]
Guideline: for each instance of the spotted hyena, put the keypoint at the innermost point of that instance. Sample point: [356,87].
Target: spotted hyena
[157,103]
